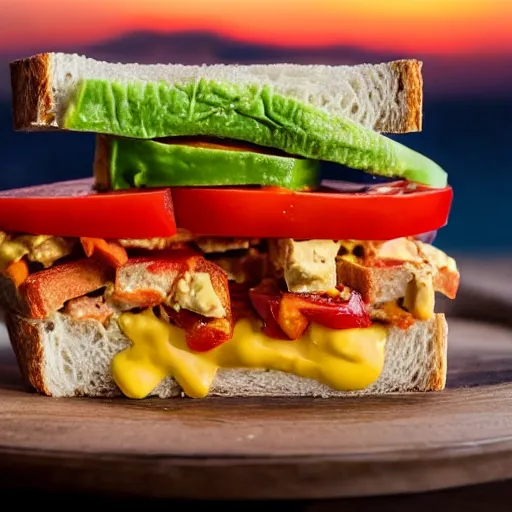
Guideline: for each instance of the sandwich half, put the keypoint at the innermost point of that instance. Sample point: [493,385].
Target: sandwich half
[247,231]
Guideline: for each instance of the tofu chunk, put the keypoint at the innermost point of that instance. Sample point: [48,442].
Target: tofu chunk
[307,266]
[213,245]
[147,282]
[195,292]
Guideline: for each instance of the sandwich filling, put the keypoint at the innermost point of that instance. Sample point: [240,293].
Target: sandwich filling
[191,305]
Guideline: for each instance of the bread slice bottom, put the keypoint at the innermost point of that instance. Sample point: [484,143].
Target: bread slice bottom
[64,357]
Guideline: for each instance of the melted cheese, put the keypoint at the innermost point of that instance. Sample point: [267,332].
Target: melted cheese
[420,297]
[348,359]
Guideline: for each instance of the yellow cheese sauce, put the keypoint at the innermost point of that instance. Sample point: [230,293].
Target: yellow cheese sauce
[420,297]
[346,359]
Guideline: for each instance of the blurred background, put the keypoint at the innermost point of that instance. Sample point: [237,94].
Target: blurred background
[466,47]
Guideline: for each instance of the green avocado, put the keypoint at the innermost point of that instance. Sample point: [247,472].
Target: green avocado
[240,111]
[137,163]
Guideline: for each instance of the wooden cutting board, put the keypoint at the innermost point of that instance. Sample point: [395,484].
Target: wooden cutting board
[279,448]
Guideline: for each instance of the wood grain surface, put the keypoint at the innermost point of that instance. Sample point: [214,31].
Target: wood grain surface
[280,448]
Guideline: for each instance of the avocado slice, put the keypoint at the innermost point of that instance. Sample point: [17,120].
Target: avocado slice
[136,163]
[241,111]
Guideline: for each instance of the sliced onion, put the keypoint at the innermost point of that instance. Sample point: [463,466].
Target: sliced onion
[347,187]
[427,238]
[344,186]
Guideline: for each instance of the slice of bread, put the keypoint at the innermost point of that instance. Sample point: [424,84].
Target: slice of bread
[376,285]
[386,97]
[387,284]
[63,357]
[46,291]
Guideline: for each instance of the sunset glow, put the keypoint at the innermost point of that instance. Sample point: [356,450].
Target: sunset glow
[427,26]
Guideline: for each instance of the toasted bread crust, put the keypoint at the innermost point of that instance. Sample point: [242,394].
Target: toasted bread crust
[31,92]
[375,285]
[411,80]
[101,166]
[437,381]
[26,342]
[389,283]
[45,292]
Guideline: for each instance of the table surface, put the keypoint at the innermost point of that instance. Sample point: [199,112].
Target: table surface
[283,448]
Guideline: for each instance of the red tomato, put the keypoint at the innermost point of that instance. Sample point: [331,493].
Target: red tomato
[73,209]
[287,315]
[265,299]
[297,310]
[202,334]
[392,211]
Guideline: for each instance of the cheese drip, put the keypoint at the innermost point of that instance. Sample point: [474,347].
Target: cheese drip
[345,359]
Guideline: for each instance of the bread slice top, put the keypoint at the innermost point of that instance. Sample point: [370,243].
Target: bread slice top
[386,97]
[64,357]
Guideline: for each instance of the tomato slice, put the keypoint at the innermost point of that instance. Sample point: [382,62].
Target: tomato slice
[72,208]
[391,211]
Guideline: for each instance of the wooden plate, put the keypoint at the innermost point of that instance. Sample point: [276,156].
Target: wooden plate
[279,448]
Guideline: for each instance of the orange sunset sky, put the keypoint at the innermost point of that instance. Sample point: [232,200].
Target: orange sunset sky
[427,26]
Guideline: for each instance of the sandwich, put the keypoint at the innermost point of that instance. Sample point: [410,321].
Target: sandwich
[245,231]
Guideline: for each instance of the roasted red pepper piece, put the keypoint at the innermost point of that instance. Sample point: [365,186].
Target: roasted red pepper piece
[265,299]
[241,306]
[110,252]
[296,311]
[202,334]
[287,315]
